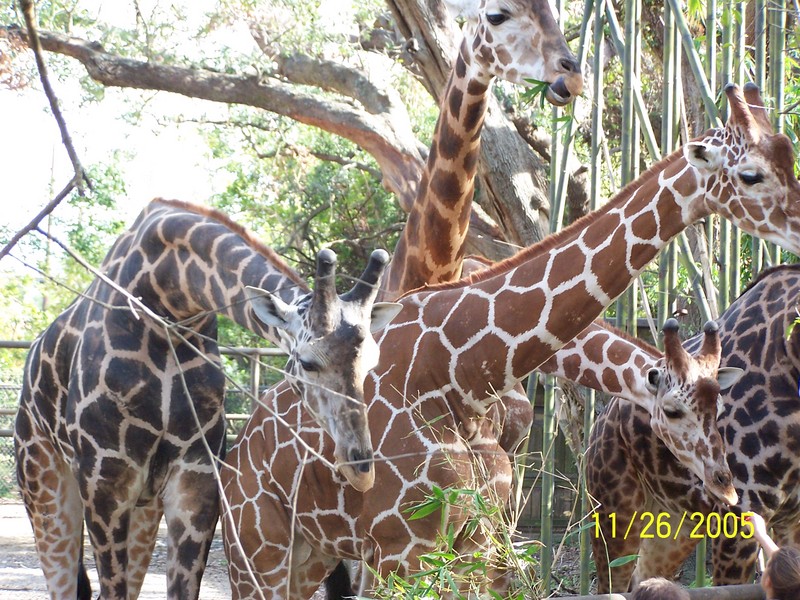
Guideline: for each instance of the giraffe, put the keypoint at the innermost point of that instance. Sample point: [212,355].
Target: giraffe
[454,348]
[760,423]
[118,412]
[516,40]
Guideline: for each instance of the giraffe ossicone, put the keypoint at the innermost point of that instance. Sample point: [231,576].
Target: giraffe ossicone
[448,355]
[760,422]
[117,409]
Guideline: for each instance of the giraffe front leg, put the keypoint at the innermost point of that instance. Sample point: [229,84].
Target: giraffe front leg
[613,540]
[53,503]
[668,544]
[191,507]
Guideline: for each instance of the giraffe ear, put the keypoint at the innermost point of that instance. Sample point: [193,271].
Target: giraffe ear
[383,313]
[727,376]
[271,310]
[703,156]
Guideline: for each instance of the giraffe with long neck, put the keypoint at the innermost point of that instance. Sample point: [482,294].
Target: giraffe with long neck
[454,348]
[516,40]
[431,246]
[121,413]
[760,423]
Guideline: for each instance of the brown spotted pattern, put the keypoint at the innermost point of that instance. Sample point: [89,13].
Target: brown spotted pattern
[118,412]
[516,41]
[443,361]
[629,469]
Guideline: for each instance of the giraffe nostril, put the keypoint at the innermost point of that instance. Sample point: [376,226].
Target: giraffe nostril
[722,478]
[570,64]
[362,460]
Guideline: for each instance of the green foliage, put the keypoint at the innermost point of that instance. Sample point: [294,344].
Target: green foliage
[297,201]
[445,572]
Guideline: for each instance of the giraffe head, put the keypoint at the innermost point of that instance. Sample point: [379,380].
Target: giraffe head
[687,405]
[519,40]
[749,171]
[329,341]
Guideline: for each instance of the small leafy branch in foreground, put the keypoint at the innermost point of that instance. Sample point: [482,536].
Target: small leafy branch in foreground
[447,573]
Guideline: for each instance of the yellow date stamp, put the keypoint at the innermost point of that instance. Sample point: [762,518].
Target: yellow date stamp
[663,525]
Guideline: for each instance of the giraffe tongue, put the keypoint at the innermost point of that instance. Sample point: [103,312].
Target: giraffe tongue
[558,93]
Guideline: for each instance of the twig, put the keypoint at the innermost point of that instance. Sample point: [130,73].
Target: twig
[37,219]
[36,46]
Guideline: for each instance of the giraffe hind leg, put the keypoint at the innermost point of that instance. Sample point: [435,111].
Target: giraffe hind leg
[191,507]
[52,500]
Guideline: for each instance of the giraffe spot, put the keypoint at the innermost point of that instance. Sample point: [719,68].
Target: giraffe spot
[461,65]
[476,88]
[439,242]
[473,119]
[566,265]
[131,268]
[470,162]
[503,56]
[447,187]
[461,327]
[644,226]
[137,443]
[685,184]
[101,422]
[153,247]
[456,96]
[608,265]
[195,278]
[611,384]
[793,438]
[529,354]
[448,142]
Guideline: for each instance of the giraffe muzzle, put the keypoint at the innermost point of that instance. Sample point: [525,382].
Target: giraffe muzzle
[558,93]
[358,469]
[719,485]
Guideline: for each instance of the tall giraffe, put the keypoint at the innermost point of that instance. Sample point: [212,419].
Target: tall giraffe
[431,247]
[760,423]
[118,413]
[454,348]
[516,40]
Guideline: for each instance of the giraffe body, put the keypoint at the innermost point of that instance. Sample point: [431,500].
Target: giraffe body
[760,423]
[454,348]
[116,410]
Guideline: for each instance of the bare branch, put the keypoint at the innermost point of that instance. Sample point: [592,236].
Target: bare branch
[36,46]
[37,219]
[382,135]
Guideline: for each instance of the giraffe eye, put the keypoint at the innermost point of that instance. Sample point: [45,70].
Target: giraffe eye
[497,18]
[672,413]
[751,177]
[308,366]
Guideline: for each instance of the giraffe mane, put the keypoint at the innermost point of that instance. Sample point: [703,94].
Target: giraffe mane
[639,342]
[554,239]
[248,236]
[766,272]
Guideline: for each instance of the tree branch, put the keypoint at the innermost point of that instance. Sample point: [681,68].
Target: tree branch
[396,151]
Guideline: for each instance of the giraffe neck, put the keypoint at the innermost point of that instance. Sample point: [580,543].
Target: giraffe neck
[606,360]
[431,247]
[505,322]
[187,262]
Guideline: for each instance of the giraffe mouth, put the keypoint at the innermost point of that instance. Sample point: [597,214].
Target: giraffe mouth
[558,94]
[359,470]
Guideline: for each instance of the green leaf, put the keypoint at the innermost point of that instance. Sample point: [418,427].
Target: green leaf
[623,560]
